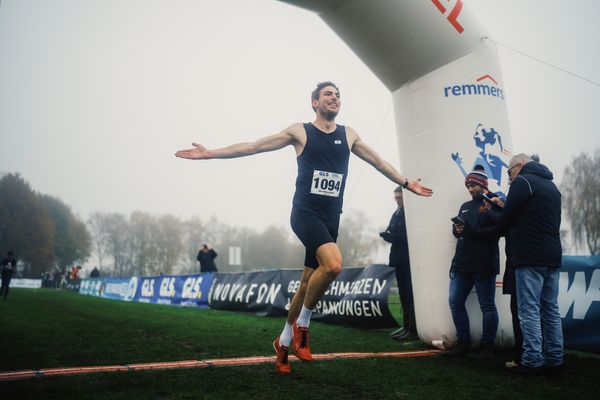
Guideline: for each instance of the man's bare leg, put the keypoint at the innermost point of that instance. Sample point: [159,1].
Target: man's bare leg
[330,265]
[298,299]
[313,285]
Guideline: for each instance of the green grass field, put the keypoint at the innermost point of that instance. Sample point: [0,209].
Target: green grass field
[47,328]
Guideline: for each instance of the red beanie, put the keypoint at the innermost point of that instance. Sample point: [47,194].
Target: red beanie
[478,178]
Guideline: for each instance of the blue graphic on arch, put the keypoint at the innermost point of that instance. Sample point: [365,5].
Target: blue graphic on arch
[489,156]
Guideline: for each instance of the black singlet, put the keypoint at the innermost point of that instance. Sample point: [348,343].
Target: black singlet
[322,172]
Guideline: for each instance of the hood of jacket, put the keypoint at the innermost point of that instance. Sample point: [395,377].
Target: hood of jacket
[538,169]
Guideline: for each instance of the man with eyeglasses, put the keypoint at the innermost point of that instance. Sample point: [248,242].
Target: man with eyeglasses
[532,215]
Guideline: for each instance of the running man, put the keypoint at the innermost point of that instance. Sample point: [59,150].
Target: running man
[323,150]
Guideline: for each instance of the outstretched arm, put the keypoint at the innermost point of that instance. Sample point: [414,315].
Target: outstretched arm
[366,153]
[277,141]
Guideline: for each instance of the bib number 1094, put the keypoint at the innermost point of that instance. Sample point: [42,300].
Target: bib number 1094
[326,183]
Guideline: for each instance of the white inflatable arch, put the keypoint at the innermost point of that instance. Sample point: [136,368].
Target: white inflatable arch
[450,108]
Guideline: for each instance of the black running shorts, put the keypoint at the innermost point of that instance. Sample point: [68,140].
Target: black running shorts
[314,231]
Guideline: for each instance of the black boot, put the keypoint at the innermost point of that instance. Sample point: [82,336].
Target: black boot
[485,351]
[461,349]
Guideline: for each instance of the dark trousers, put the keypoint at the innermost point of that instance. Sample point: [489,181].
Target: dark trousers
[5,285]
[404,281]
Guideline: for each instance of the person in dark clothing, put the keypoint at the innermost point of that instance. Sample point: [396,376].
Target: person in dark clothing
[399,260]
[95,273]
[475,263]
[532,215]
[509,287]
[322,150]
[8,267]
[206,257]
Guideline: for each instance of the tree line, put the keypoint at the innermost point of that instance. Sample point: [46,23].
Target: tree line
[41,229]
[143,244]
[46,235]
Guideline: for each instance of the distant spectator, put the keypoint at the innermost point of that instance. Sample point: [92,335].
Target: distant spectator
[8,266]
[75,273]
[95,273]
[399,260]
[206,257]
[58,277]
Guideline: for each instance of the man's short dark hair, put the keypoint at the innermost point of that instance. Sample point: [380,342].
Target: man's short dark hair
[317,92]
[398,189]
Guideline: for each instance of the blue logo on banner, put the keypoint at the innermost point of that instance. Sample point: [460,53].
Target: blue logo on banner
[491,150]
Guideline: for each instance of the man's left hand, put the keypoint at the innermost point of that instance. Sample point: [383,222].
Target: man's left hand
[416,187]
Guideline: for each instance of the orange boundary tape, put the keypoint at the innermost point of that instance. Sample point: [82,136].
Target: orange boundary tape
[33,373]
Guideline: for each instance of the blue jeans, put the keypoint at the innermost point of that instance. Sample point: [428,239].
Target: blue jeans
[537,295]
[485,286]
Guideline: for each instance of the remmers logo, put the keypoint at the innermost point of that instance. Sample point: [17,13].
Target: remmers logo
[483,86]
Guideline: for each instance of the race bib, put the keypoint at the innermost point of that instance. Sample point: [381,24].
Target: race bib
[326,183]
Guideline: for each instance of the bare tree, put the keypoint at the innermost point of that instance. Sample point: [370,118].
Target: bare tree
[357,242]
[118,243]
[96,223]
[193,229]
[168,242]
[143,251]
[581,200]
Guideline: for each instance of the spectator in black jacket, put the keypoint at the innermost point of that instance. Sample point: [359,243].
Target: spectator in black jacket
[532,214]
[8,266]
[475,263]
[399,260]
[206,257]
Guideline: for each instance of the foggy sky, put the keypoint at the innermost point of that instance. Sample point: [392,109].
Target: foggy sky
[96,97]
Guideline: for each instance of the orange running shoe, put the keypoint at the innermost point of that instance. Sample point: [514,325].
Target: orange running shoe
[300,342]
[282,366]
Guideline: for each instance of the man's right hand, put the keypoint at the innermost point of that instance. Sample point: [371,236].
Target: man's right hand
[459,228]
[198,152]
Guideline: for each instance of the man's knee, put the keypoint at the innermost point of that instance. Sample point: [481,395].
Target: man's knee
[330,259]
[333,269]
[332,265]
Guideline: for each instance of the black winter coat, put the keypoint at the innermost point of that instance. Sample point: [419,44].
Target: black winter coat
[396,235]
[476,252]
[532,215]
[207,260]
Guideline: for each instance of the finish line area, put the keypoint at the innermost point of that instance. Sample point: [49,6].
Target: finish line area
[217,362]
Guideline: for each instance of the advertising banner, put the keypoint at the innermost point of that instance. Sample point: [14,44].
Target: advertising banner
[91,286]
[114,288]
[258,292]
[579,302]
[26,283]
[358,297]
[184,290]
